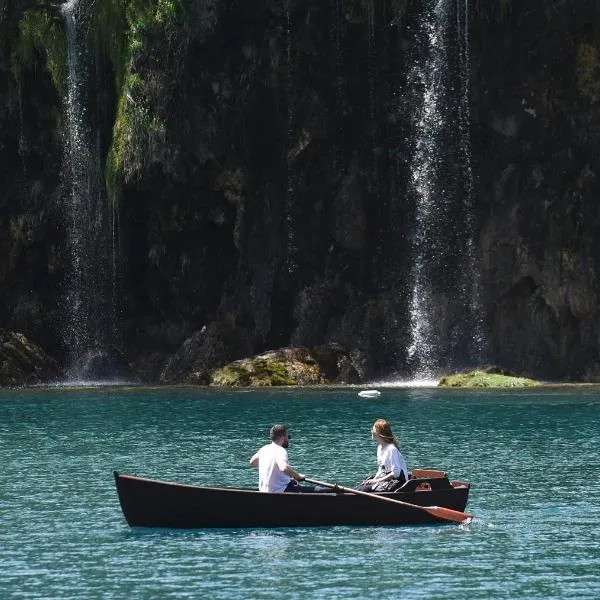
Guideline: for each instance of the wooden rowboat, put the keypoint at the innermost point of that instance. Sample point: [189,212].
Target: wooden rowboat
[153,503]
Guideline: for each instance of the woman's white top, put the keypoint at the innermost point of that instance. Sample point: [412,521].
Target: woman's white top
[270,477]
[389,460]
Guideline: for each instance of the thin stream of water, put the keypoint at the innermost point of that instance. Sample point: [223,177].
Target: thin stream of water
[426,78]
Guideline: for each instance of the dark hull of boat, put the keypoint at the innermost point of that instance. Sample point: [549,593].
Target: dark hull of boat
[153,503]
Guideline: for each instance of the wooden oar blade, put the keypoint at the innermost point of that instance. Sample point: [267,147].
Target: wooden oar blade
[449,514]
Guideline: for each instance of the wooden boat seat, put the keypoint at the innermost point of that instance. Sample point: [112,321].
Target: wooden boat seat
[426,480]
[428,473]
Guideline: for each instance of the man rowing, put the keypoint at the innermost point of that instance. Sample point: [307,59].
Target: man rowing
[275,474]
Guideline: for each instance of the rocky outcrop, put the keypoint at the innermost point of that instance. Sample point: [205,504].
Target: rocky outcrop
[201,353]
[23,363]
[283,367]
[201,360]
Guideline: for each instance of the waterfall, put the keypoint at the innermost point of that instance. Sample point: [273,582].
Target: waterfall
[89,296]
[446,318]
[426,80]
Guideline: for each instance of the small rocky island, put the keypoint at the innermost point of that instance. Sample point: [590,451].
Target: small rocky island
[486,378]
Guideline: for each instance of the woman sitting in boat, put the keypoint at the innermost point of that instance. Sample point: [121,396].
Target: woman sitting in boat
[275,474]
[391,466]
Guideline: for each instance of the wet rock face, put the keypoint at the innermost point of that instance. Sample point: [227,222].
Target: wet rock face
[263,156]
[536,135]
[31,228]
[202,352]
[262,204]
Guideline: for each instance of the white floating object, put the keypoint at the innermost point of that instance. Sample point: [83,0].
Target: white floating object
[369,394]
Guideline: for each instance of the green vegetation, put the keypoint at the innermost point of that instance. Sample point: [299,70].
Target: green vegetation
[481,378]
[126,32]
[273,372]
[41,33]
[131,31]
[232,375]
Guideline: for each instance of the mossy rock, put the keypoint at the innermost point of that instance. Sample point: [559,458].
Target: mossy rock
[481,379]
[22,362]
[283,367]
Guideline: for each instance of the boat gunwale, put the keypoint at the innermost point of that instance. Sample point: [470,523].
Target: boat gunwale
[454,485]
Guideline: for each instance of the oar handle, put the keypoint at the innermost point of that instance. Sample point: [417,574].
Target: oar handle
[441,512]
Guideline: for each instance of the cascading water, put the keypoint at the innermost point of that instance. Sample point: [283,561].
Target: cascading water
[446,318]
[425,77]
[89,307]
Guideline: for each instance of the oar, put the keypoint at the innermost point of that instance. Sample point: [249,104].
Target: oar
[441,512]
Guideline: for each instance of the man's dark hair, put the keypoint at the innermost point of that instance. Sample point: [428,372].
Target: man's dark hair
[277,430]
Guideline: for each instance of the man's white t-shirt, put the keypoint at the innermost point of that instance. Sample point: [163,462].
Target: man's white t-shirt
[270,477]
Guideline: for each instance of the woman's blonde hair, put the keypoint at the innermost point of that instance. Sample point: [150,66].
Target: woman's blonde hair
[384,430]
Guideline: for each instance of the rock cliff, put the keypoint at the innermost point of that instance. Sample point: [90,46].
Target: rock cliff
[258,157]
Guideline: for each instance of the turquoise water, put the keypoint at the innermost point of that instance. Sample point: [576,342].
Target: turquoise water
[532,457]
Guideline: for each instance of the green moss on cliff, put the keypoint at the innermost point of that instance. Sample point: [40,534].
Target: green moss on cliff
[122,29]
[136,127]
[588,72]
[133,33]
[140,39]
[41,33]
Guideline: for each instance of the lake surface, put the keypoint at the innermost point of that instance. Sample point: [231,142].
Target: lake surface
[532,457]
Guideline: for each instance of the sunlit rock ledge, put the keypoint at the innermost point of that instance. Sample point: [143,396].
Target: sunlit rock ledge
[288,366]
[482,378]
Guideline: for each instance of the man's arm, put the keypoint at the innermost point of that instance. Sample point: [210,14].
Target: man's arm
[254,461]
[288,470]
